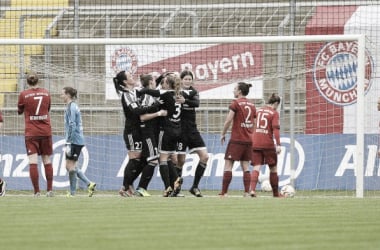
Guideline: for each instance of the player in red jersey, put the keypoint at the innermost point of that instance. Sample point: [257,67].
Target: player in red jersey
[264,149]
[34,103]
[242,114]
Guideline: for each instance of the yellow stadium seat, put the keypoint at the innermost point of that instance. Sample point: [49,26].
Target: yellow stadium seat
[15,49]
[9,28]
[4,76]
[12,65]
[34,27]
[9,68]
[47,3]
[8,85]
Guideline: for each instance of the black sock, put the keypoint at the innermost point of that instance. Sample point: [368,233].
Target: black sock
[179,171]
[172,173]
[137,169]
[199,171]
[130,171]
[127,174]
[164,171]
[147,174]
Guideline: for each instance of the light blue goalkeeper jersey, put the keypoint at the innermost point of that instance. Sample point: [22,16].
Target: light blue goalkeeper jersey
[73,124]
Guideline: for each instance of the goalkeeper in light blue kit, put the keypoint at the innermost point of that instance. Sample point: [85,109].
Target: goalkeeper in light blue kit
[74,141]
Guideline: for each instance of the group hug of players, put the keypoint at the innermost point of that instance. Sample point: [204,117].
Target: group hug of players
[160,128]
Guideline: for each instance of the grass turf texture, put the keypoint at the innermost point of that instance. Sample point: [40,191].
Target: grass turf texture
[112,222]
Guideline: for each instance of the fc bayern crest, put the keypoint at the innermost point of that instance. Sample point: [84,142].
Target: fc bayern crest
[124,59]
[335,72]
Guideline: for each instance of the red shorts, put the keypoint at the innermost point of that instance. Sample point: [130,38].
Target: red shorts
[238,151]
[264,156]
[41,145]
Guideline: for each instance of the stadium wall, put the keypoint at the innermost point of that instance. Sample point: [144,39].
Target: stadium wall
[104,158]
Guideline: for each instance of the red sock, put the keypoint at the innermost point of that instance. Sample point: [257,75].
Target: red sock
[227,177]
[246,181]
[33,173]
[254,179]
[273,178]
[49,176]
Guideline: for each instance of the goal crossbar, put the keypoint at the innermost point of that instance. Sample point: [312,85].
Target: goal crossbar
[186,40]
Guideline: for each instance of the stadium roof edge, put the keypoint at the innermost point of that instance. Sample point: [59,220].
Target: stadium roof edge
[195,7]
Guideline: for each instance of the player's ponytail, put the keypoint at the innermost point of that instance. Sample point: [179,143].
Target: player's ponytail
[73,93]
[174,83]
[244,88]
[118,81]
[274,98]
[32,79]
[177,85]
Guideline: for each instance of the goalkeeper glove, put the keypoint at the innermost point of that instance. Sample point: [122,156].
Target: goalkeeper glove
[68,149]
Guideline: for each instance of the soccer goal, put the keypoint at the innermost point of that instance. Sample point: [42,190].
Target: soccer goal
[329,125]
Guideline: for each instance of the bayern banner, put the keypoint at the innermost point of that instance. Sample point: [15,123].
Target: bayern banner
[104,158]
[331,101]
[212,73]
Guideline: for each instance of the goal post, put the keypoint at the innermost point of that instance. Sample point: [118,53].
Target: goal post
[217,63]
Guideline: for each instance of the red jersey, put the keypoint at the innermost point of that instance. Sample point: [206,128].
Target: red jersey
[245,113]
[267,128]
[35,104]
[1,117]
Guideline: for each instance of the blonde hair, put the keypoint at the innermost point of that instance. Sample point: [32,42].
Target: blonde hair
[174,83]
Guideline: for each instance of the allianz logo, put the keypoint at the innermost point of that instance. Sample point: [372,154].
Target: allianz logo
[215,164]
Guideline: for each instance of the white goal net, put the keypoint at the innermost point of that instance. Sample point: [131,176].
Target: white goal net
[329,125]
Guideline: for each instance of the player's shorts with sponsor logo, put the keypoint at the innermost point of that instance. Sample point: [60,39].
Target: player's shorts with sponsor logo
[75,151]
[149,144]
[41,145]
[133,140]
[238,151]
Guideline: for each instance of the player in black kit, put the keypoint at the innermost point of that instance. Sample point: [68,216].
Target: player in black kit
[191,138]
[131,103]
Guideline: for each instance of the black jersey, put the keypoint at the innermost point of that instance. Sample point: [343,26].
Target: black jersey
[130,103]
[132,108]
[151,105]
[171,122]
[188,116]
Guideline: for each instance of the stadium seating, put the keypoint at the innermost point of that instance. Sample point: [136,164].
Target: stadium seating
[34,23]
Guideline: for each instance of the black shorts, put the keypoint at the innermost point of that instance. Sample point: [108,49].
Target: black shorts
[190,139]
[74,152]
[133,140]
[149,145]
[167,142]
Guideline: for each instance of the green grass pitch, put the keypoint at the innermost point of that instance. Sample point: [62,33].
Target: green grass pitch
[108,222]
